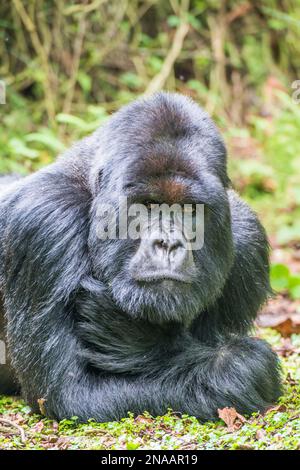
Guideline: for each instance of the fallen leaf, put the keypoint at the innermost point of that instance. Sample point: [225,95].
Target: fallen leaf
[38,427]
[55,426]
[286,324]
[277,409]
[62,443]
[143,419]
[231,418]
[245,447]
[41,403]
[286,348]
[289,379]
[289,326]
[261,434]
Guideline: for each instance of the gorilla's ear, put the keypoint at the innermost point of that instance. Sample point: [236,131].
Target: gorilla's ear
[43,241]
[96,154]
[98,179]
[96,174]
[85,160]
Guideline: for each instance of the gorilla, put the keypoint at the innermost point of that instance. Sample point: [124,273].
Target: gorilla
[98,327]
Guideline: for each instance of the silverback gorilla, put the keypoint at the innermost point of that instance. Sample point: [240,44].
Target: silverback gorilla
[100,327]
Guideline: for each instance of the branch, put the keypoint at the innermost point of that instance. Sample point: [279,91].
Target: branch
[76,62]
[10,423]
[158,82]
[41,53]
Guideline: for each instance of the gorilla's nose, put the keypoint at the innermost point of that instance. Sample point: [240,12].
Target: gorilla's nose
[163,257]
[171,252]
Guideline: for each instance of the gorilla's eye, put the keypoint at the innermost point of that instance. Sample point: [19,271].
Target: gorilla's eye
[149,204]
[190,209]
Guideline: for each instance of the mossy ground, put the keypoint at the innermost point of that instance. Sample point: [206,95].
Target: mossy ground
[279,428]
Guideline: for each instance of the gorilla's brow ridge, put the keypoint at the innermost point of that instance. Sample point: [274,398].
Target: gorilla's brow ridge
[171,188]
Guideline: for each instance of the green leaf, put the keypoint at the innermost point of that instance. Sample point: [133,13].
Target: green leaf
[294,280]
[294,286]
[288,234]
[279,277]
[132,445]
[47,140]
[295,292]
[18,147]
[84,81]
[73,121]
[173,21]
[132,80]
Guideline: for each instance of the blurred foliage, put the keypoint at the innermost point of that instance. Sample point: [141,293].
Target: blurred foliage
[68,65]
[282,280]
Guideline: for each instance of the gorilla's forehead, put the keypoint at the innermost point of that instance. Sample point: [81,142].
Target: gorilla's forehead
[159,136]
[162,158]
[162,117]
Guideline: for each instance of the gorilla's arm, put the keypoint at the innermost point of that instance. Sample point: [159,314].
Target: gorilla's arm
[168,367]
[197,381]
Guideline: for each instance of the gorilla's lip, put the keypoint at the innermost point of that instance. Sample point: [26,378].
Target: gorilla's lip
[149,277]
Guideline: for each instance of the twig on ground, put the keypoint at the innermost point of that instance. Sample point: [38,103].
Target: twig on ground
[8,422]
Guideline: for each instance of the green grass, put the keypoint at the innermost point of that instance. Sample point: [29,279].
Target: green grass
[277,429]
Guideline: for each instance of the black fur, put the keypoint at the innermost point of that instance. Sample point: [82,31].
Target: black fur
[81,332]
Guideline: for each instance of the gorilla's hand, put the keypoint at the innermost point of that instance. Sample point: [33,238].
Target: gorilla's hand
[241,372]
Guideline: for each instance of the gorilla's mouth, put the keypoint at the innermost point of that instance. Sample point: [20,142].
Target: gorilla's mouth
[157,296]
[154,277]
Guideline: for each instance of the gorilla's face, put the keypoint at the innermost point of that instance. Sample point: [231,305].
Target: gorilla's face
[159,274]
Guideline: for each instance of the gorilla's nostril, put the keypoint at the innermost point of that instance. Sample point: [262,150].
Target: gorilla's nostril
[164,244]
[175,245]
[160,245]
[167,248]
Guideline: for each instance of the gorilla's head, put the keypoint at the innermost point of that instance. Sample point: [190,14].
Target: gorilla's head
[161,150]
